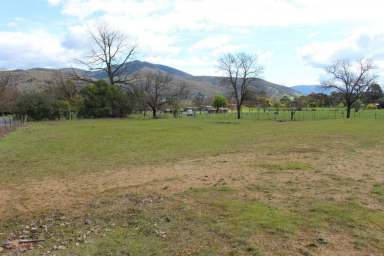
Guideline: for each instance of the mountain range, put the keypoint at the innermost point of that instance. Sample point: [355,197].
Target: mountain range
[38,78]
[308,89]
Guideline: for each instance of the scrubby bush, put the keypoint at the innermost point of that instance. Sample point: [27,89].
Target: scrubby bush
[104,100]
[37,106]
[371,106]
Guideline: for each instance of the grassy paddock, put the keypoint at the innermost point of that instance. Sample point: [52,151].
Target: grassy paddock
[284,115]
[195,187]
[304,115]
[78,147]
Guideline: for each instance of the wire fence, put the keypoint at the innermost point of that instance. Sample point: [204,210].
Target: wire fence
[283,115]
[9,123]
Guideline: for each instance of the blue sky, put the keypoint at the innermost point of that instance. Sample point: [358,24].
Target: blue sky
[292,38]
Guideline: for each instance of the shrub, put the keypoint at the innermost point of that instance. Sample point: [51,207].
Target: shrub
[371,106]
[38,106]
[104,100]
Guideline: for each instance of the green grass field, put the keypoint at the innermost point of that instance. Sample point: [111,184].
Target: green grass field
[282,114]
[195,187]
[75,147]
[304,115]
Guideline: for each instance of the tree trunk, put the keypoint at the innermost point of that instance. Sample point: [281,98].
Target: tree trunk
[349,106]
[238,107]
[154,113]
[174,113]
[292,115]
[110,78]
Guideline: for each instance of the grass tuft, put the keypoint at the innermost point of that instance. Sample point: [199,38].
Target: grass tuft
[242,217]
[378,189]
[287,166]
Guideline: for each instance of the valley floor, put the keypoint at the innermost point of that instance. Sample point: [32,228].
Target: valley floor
[188,187]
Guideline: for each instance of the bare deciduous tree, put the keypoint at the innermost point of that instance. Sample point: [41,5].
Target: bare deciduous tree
[66,87]
[8,93]
[67,91]
[156,87]
[177,95]
[110,51]
[239,70]
[351,79]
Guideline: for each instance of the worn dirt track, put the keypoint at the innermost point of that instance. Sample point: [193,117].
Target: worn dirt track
[74,194]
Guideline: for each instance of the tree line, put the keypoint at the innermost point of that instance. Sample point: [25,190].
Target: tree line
[121,93]
[369,99]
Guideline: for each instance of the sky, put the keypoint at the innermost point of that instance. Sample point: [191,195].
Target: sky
[293,39]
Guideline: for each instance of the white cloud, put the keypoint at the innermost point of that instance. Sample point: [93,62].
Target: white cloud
[54,2]
[215,46]
[211,42]
[360,44]
[33,49]
[198,14]
[157,25]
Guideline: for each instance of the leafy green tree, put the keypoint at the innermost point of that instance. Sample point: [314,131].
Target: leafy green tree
[285,101]
[219,102]
[373,94]
[101,99]
[263,102]
[38,106]
[318,100]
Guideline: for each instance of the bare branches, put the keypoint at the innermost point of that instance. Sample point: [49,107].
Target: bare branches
[156,87]
[109,53]
[351,79]
[239,70]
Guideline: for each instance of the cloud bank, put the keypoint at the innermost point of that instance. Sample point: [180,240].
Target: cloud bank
[191,34]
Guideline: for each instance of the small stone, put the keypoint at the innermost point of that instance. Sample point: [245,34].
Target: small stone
[311,245]
[322,241]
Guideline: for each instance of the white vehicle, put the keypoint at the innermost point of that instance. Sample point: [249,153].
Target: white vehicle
[188,112]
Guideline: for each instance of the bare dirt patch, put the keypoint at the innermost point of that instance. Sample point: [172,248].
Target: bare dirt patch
[4,131]
[235,170]
[331,178]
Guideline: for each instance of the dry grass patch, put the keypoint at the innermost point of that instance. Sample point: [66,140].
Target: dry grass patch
[286,166]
